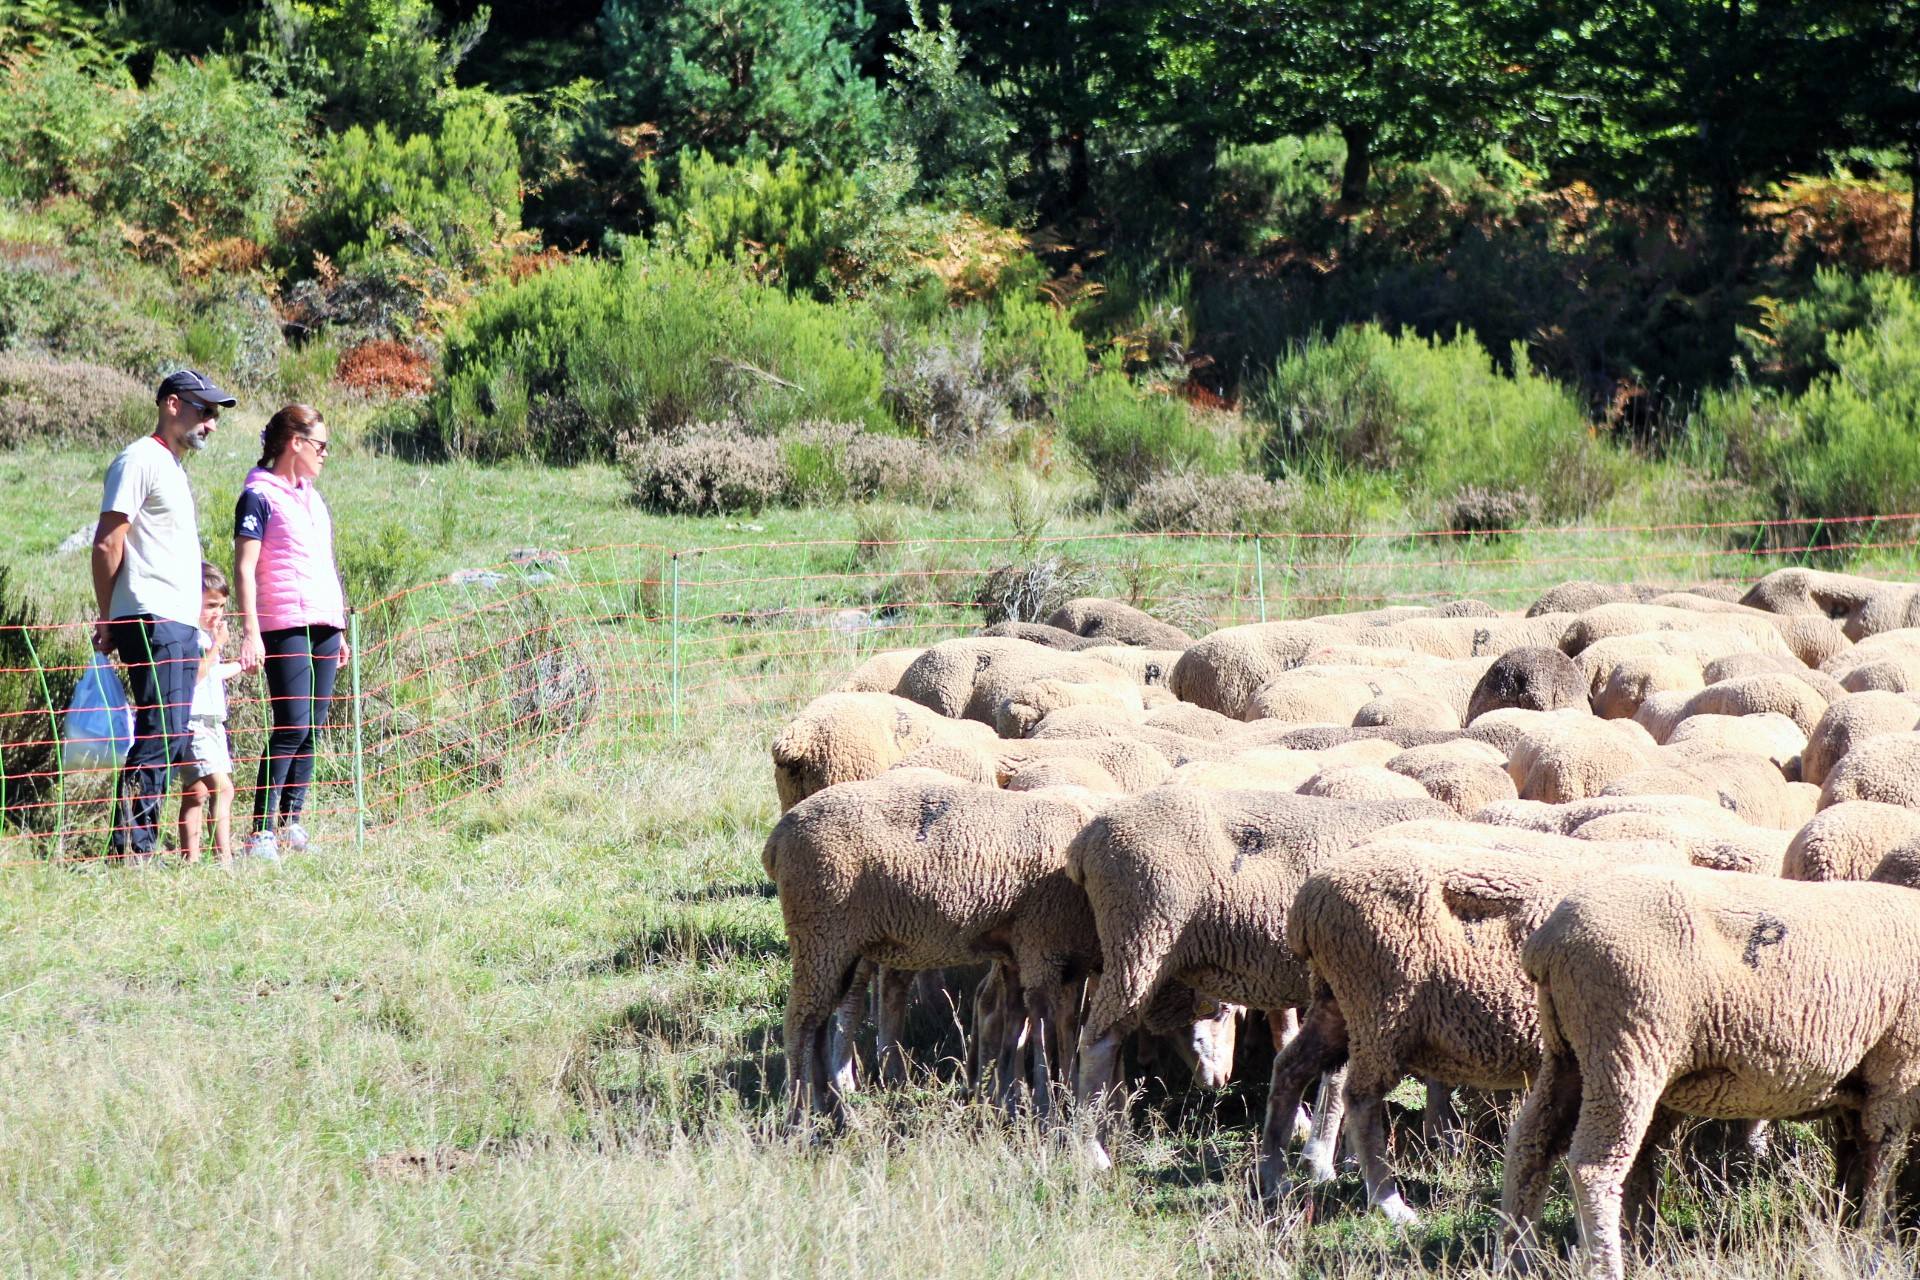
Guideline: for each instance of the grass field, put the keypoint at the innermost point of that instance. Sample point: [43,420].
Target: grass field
[538,1034]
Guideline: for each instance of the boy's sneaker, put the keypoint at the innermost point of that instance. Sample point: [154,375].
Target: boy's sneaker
[293,838]
[262,845]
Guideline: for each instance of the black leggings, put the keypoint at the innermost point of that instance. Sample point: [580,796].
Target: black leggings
[302,663]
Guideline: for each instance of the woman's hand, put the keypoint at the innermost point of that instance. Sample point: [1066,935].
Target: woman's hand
[346,651]
[253,652]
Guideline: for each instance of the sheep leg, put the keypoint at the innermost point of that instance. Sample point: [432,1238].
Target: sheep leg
[1284,1025]
[1538,1137]
[1016,1042]
[1883,1139]
[989,1024]
[1606,1141]
[812,1003]
[1367,1131]
[836,1038]
[1329,1113]
[1440,1123]
[1094,1088]
[892,987]
[1319,1046]
[1642,1190]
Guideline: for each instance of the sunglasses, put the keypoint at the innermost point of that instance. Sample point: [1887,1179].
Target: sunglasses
[205,412]
[318,446]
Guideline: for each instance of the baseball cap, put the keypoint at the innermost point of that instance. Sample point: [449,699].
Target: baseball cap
[194,386]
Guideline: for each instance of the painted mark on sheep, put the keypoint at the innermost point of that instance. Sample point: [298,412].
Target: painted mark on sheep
[1482,636]
[931,811]
[1728,803]
[982,661]
[1769,932]
[1248,843]
[901,725]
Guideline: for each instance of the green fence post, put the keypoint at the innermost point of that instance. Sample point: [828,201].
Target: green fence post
[59,750]
[674,642]
[1260,575]
[359,750]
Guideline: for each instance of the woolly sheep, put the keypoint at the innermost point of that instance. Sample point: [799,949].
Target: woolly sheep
[1661,713]
[1769,734]
[1734,665]
[1460,638]
[1465,786]
[1665,992]
[1571,761]
[1041,634]
[1111,622]
[1745,785]
[1414,949]
[1536,678]
[970,678]
[1023,708]
[1323,736]
[1635,678]
[1362,782]
[916,871]
[1850,720]
[879,674]
[1847,841]
[1278,768]
[1750,695]
[1148,666]
[1579,596]
[1222,669]
[1889,660]
[1864,606]
[1133,766]
[1193,886]
[1408,711]
[845,737]
[1884,768]
[1599,659]
[1325,695]
[1060,771]
[1081,723]
[1193,721]
[1712,835]
[1763,632]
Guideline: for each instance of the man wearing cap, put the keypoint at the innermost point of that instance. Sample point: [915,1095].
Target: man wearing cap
[146,581]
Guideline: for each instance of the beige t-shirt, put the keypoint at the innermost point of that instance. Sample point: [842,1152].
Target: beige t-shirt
[160,572]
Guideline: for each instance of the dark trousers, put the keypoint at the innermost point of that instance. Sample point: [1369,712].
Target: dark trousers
[302,664]
[162,660]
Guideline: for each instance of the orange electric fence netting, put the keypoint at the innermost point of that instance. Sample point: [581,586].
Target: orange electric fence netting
[458,683]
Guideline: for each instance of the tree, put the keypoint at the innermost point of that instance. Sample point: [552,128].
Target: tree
[732,76]
[368,61]
[958,129]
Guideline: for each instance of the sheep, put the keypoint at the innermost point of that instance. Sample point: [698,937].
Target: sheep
[1749,695]
[1111,622]
[1600,659]
[1362,782]
[1661,713]
[1078,724]
[1536,678]
[1713,835]
[1193,721]
[1796,637]
[1324,736]
[969,678]
[1039,633]
[1223,668]
[1465,786]
[1753,664]
[1847,841]
[1579,596]
[1769,734]
[1667,991]
[1850,720]
[1278,768]
[1132,766]
[1864,606]
[1016,715]
[1407,710]
[1884,768]
[1193,886]
[917,871]
[1060,771]
[1325,695]
[845,737]
[1885,660]
[1573,760]
[879,674]
[1414,950]
[1460,638]
[1150,667]
[1746,785]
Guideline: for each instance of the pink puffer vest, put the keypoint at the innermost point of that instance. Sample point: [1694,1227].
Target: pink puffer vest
[295,584]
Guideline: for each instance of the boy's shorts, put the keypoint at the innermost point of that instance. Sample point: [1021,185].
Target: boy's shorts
[210,754]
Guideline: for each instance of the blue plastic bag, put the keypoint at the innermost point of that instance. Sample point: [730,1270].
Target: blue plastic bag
[99,723]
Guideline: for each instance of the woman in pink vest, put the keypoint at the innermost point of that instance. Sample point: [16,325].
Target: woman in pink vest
[293,615]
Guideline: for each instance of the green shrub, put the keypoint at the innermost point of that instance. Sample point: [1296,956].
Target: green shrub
[63,402]
[781,219]
[54,306]
[59,116]
[958,129]
[208,152]
[1283,188]
[1789,346]
[715,468]
[1857,449]
[564,362]
[451,196]
[1439,413]
[1126,437]
[371,60]
[1034,351]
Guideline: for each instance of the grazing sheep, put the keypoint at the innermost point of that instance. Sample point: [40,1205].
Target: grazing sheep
[1321,737]
[1635,678]
[1579,596]
[1026,706]
[1847,841]
[1133,766]
[1753,664]
[1764,633]
[1885,660]
[1697,648]
[1769,734]
[1577,758]
[1193,886]
[1407,711]
[1223,669]
[1536,678]
[1863,606]
[879,674]
[970,678]
[1278,768]
[1194,722]
[1362,782]
[1150,667]
[916,871]
[1061,771]
[1081,723]
[1713,836]
[1325,695]
[1751,695]
[1884,768]
[1111,622]
[1679,991]
[1661,713]
[1039,633]
[1460,638]
[1851,720]
[1414,949]
[1465,786]
[845,737]
[1745,785]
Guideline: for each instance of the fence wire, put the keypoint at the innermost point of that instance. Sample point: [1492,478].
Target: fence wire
[458,683]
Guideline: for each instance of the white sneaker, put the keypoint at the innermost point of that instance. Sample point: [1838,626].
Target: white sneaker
[262,845]
[293,838]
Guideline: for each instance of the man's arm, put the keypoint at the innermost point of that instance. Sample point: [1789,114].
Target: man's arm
[109,549]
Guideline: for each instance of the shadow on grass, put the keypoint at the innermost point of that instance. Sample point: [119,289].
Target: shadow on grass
[702,940]
[724,892]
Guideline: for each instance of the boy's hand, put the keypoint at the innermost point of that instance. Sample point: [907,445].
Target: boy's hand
[253,653]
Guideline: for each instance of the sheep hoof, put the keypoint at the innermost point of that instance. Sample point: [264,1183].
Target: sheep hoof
[1302,1128]
[1320,1170]
[1094,1152]
[1397,1211]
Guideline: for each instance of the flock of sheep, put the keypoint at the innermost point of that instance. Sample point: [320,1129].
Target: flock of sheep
[1572,852]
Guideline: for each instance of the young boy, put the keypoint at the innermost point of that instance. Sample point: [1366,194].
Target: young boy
[212,767]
